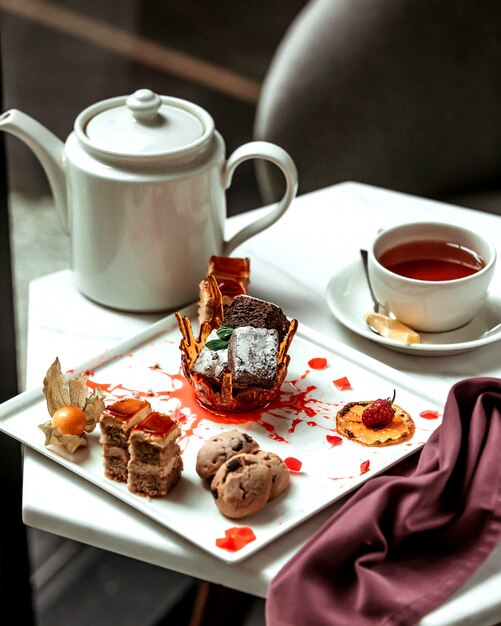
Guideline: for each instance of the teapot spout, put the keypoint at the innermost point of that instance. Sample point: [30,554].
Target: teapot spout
[48,149]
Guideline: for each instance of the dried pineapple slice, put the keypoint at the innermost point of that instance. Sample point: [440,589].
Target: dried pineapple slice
[349,424]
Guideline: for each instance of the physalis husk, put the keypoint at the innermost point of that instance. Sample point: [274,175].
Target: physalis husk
[76,394]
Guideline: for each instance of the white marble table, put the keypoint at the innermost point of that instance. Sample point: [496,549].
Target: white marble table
[291,264]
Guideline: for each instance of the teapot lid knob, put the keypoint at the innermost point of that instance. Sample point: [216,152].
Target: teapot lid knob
[144,104]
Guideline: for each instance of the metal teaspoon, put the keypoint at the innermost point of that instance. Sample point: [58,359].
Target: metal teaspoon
[382,324]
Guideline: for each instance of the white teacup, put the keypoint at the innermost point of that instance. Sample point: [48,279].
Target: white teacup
[429,304]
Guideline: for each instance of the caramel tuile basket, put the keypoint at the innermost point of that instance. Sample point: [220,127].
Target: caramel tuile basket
[223,398]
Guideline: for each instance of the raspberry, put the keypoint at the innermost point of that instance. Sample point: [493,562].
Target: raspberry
[379,414]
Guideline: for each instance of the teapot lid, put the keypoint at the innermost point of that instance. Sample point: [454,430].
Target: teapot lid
[144,125]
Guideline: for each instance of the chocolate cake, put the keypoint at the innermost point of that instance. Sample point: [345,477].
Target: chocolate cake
[248,311]
[211,380]
[253,356]
[116,422]
[155,464]
[211,363]
[248,347]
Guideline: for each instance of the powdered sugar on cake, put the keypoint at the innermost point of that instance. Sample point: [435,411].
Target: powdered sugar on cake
[211,363]
[253,356]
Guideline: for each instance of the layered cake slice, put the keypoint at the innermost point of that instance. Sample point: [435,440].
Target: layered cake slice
[116,423]
[232,276]
[155,463]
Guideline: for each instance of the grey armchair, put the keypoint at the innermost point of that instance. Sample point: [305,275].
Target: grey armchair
[403,94]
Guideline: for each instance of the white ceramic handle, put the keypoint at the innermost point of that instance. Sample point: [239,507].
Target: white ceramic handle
[278,156]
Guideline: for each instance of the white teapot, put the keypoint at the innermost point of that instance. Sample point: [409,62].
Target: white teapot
[140,188]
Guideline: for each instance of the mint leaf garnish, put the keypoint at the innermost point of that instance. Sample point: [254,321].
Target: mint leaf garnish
[224,332]
[217,344]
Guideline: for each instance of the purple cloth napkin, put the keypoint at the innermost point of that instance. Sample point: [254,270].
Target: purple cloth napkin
[403,544]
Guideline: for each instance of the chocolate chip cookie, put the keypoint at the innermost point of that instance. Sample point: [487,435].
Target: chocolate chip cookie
[281,476]
[220,448]
[242,486]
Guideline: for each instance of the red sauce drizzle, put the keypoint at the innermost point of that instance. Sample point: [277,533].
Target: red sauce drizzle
[236,538]
[295,405]
[318,363]
[429,415]
[296,401]
[103,386]
[342,383]
[293,465]
[178,417]
[365,467]
[334,440]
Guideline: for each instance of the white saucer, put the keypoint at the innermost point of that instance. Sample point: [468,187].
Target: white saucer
[349,299]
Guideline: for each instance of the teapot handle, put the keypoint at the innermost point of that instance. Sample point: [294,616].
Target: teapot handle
[278,156]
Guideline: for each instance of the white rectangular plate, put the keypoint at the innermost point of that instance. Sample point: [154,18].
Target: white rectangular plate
[298,425]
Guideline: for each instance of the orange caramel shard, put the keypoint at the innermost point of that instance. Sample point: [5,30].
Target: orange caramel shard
[223,398]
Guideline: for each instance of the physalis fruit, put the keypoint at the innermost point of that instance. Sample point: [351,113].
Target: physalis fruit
[73,412]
